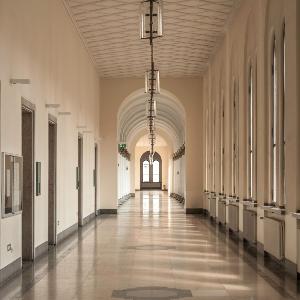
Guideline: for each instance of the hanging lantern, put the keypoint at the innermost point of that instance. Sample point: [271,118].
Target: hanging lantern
[151,19]
[151,123]
[152,138]
[152,82]
[151,157]
[151,108]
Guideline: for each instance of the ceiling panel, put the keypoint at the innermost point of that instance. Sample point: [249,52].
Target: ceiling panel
[110,31]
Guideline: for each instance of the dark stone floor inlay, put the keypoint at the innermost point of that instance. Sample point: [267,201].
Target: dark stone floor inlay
[151,293]
[150,247]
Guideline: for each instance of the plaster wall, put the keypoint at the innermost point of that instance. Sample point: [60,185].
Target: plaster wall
[40,43]
[113,92]
[247,42]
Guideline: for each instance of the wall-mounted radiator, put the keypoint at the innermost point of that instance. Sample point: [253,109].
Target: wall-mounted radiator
[213,207]
[274,237]
[206,201]
[233,217]
[250,225]
[222,212]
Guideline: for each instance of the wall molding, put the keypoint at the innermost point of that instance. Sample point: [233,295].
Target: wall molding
[291,268]
[67,232]
[194,211]
[41,249]
[88,218]
[108,211]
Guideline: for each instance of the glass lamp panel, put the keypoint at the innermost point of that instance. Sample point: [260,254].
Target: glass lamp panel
[157,28]
[151,108]
[149,77]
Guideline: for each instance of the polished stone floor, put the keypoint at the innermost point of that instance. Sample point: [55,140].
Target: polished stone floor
[151,250]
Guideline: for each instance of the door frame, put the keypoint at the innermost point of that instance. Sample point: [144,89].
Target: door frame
[95,177]
[30,108]
[80,171]
[52,121]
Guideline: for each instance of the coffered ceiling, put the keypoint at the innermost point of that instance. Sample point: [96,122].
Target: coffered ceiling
[110,31]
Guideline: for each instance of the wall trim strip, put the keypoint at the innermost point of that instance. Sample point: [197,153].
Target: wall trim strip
[67,232]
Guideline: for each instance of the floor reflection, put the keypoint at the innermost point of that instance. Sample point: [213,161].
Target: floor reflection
[151,248]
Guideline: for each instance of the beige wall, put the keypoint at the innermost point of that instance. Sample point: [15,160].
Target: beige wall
[39,42]
[113,92]
[164,153]
[248,41]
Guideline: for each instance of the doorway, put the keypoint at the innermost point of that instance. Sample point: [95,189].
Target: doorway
[28,181]
[150,174]
[79,179]
[96,177]
[52,144]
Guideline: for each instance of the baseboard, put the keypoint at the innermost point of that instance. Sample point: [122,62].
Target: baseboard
[98,212]
[108,211]
[41,249]
[10,270]
[290,268]
[233,232]
[241,235]
[67,232]
[223,225]
[260,248]
[194,211]
[88,218]
[205,212]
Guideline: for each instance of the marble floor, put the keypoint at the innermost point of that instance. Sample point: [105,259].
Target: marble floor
[151,250]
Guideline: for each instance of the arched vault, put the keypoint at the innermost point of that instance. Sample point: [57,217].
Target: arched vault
[170,121]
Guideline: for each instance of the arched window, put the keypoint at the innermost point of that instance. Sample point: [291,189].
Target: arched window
[222,129]
[251,134]
[235,132]
[150,174]
[283,183]
[156,171]
[214,148]
[206,149]
[146,171]
[273,118]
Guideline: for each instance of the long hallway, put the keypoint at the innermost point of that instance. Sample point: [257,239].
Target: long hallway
[150,250]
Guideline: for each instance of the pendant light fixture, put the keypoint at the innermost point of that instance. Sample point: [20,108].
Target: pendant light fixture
[152,83]
[151,19]
[150,29]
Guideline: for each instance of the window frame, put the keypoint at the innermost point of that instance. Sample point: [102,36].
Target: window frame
[222,144]
[235,136]
[146,161]
[153,173]
[251,131]
[273,124]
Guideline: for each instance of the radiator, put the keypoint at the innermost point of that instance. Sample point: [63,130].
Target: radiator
[250,225]
[233,217]
[206,201]
[222,212]
[274,237]
[212,207]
